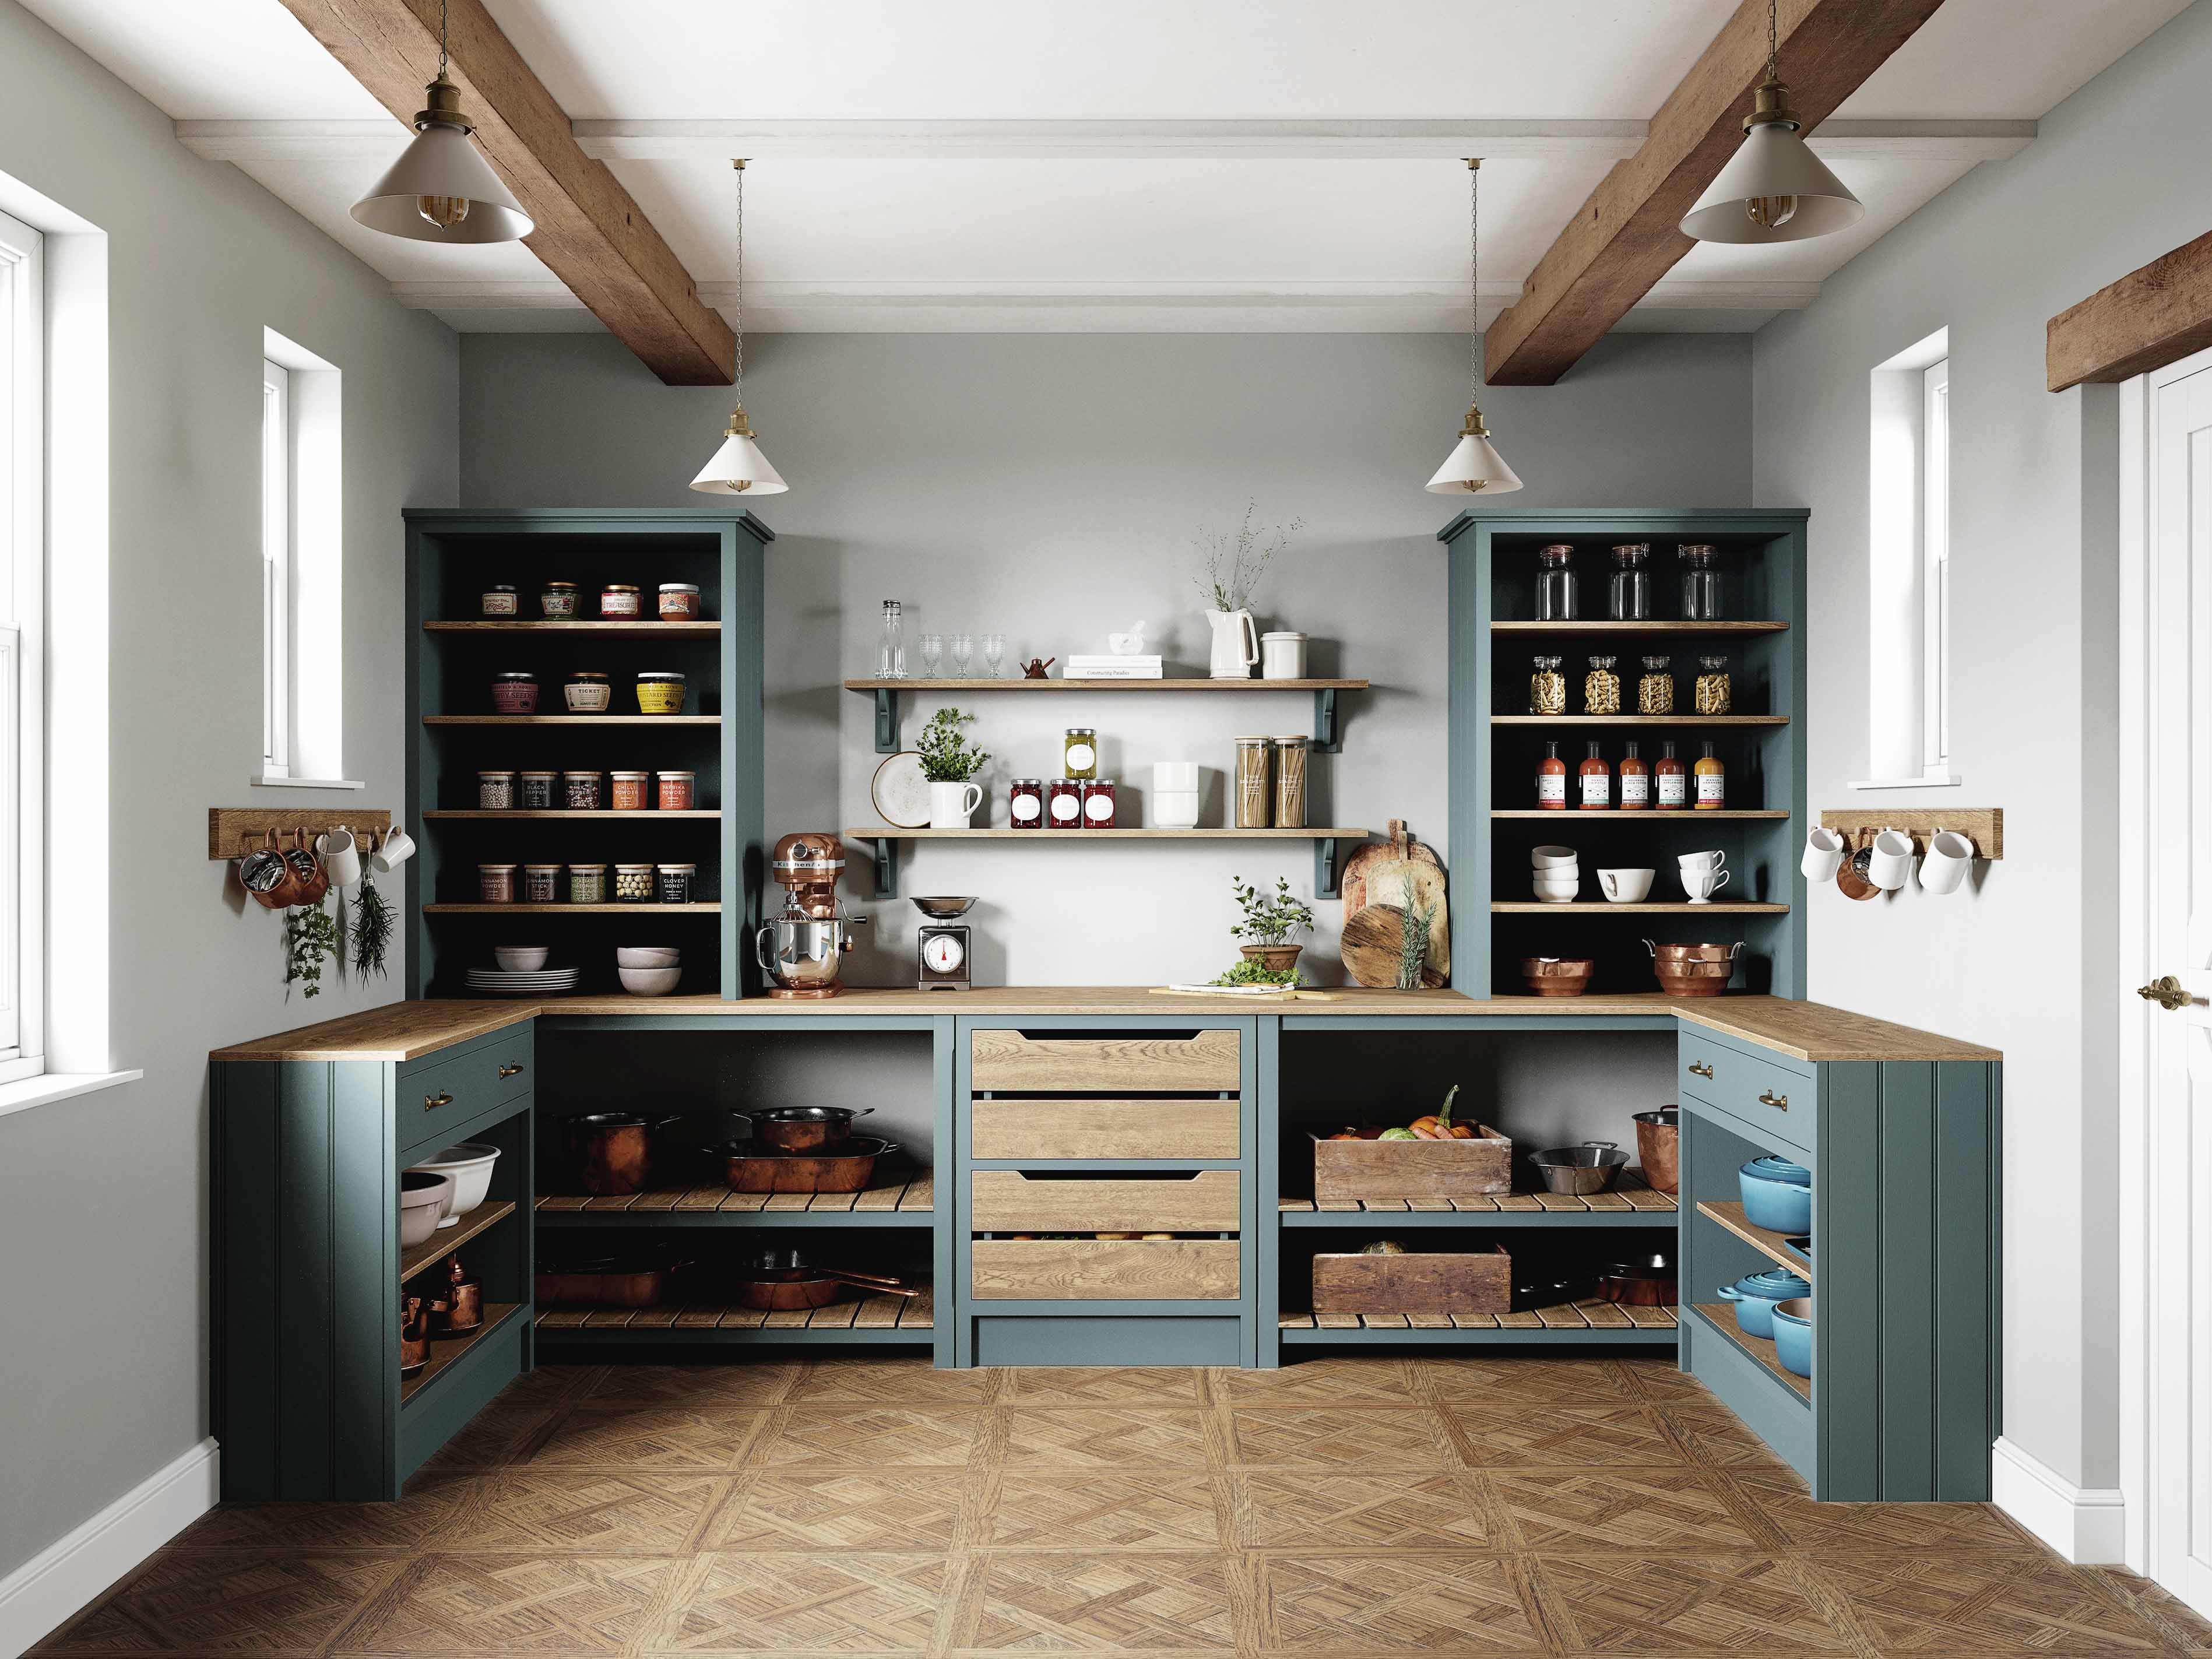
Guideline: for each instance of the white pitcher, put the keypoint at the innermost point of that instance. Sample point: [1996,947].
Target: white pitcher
[1236,644]
[951,805]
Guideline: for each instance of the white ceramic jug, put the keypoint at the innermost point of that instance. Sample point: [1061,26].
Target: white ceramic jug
[1236,644]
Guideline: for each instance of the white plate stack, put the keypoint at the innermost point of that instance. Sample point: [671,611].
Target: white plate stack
[508,982]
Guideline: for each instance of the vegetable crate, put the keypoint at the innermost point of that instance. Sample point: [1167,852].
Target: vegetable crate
[1475,1168]
[1469,1282]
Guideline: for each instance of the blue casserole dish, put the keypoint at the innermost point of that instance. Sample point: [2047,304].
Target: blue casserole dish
[1754,1295]
[1777,1194]
[1793,1334]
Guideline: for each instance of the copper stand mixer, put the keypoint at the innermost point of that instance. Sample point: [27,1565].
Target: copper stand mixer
[800,950]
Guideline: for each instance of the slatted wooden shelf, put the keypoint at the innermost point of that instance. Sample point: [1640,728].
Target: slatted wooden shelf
[1679,907]
[568,813]
[1639,719]
[1722,1318]
[572,720]
[862,1317]
[445,1350]
[706,908]
[586,625]
[1730,1215]
[1605,625]
[1180,683]
[1632,1203]
[1671,814]
[1587,1321]
[443,1242]
[900,1203]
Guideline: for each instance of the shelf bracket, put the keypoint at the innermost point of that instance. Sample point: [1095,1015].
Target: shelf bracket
[887,720]
[1326,865]
[1326,740]
[886,862]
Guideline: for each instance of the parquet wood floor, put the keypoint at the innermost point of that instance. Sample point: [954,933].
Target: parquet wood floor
[870,1509]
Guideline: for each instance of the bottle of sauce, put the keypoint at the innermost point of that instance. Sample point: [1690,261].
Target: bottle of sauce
[1712,782]
[1552,779]
[1635,782]
[1671,781]
[1596,779]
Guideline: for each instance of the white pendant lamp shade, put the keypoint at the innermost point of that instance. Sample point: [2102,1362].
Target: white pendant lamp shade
[739,468]
[1774,189]
[441,189]
[1474,466]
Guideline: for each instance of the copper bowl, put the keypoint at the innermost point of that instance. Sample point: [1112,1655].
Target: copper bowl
[1556,977]
[1695,985]
[1669,953]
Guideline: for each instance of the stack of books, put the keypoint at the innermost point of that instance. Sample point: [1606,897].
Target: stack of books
[1113,668]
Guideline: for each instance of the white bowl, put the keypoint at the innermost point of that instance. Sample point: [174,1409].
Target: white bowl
[520,958]
[649,981]
[1627,886]
[421,1210]
[469,1167]
[642,956]
[1553,890]
[1553,858]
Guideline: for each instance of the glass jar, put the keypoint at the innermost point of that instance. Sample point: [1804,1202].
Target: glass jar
[1025,804]
[1654,692]
[676,791]
[1558,595]
[541,883]
[1713,688]
[674,882]
[626,791]
[1601,687]
[1290,759]
[499,600]
[620,599]
[496,791]
[679,601]
[587,883]
[581,791]
[1063,803]
[588,692]
[1254,773]
[1701,582]
[537,790]
[633,884]
[1078,753]
[515,694]
[1628,597]
[1547,687]
[891,650]
[558,601]
[661,694]
[495,883]
[1098,804]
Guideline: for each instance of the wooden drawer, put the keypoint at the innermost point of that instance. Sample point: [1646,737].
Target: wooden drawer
[1013,1062]
[1009,1202]
[1045,1129]
[1761,1093]
[456,1090]
[1104,1270]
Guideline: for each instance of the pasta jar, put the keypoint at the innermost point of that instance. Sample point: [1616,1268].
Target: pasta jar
[537,790]
[1290,783]
[1025,804]
[496,791]
[1547,687]
[541,883]
[1078,753]
[626,791]
[1098,804]
[633,884]
[587,883]
[581,791]
[679,601]
[1713,688]
[557,601]
[620,599]
[499,600]
[495,883]
[515,694]
[1601,687]
[1064,803]
[661,694]
[676,882]
[587,691]
[676,791]
[1654,692]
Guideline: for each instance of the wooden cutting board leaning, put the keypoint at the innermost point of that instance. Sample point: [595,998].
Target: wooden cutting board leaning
[1383,883]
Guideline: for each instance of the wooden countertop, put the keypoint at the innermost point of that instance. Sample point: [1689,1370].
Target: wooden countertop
[1806,1030]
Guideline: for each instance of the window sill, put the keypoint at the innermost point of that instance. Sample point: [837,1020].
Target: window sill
[265,780]
[59,1085]
[1946,780]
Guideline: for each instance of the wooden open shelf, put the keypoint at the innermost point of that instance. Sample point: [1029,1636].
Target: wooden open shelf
[1679,907]
[899,1200]
[705,908]
[586,625]
[1729,1216]
[1722,1318]
[1669,721]
[445,1350]
[572,720]
[861,1313]
[1588,1319]
[1667,815]
[885,832]
[1631,1197]
[1185,683]
[568,813]
[1604,625]
[444,1242]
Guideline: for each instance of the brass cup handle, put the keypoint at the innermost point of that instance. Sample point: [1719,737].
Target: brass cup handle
[1698,1068]
[510,1071]
[2166,991]
[431,1103]
[1768,1097]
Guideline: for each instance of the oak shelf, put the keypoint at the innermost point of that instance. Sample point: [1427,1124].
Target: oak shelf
[572,720]
[587,625]
[445,1350]
[1668,815]
[859,1318]
[568,813]
[896,1203]
[1589,1321]
[443,1242]
[704,908]
[1606,626]
[1537,908]
[1325,833]
[1722,1318]
[1191,682]
[1773,1245]
[1640,719]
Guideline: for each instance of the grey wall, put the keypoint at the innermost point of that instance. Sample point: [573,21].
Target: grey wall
[1050,486]
[2114,180]
[102,1199]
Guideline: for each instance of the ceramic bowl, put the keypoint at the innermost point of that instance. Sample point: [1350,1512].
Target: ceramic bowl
[1552,888]
[468,1165]
[1754,1295]
[1553,858]
[423,1197]
[649,981]
[1793,1334]
[646,956]
[521,958]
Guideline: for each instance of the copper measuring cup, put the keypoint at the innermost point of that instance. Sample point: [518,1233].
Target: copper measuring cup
[314,880]
[267,874]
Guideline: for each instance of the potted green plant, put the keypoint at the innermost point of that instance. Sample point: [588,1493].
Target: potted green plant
[949,763]
[1270,921]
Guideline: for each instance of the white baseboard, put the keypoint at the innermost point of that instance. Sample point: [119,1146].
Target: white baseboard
[54,1584]
[2085,1524]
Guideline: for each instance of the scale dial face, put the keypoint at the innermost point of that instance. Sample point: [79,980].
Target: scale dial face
[943,953]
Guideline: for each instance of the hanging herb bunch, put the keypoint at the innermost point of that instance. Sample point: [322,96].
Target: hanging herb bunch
[311,938]
[373,918]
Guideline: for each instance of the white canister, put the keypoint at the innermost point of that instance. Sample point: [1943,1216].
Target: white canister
[1282,656]
[1174,777]
[1175,809]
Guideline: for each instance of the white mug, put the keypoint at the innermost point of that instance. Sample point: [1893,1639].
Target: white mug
[952,805]
[396,848]
[1553,858]
[1891,862]
[1824,854]
[1702,884]
[1703,860]
[1627,886]
[1949,852]
[341,856]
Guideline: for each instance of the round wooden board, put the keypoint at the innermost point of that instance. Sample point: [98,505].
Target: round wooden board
[1366,860]
[1373,941]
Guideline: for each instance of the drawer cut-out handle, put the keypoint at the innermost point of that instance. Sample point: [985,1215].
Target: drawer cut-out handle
[1698,1068]
[510,1071]
[431,1103]
[1768,1097]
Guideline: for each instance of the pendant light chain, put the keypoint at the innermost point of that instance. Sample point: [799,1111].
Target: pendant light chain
[738,373]
[1473,276]
[1773,63]
[441,39]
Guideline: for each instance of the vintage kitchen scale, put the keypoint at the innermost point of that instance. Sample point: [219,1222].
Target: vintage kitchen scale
[942,945]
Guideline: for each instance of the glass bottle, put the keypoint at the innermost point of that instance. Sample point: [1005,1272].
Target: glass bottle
[1635,782]
[1596,778]
[1557,597]
[1654,692]
[1552,779]
[890,654]
[1601,687]
[1547,687]
[1701,582]
[1712,782]
[1713,689]
[1670,780]
[1628,596]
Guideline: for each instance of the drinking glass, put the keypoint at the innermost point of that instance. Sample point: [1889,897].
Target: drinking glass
[930,647]
[964,649]
[994,653]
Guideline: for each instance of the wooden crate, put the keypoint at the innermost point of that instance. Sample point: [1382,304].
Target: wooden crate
[1469,1282]
[1413,1169]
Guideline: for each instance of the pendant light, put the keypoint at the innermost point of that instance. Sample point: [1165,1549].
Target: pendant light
[441,189]
[1473,467]
[739,468]
[1775,190]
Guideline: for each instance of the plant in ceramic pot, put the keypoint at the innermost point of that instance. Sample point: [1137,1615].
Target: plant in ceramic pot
[948,761]
[1235,561]
[1270,921]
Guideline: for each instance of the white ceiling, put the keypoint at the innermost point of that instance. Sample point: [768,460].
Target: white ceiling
[1279,164]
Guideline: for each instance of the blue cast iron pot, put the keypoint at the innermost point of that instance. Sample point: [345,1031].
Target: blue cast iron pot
[1777,1194]
[1793,1334]
[1755,1295]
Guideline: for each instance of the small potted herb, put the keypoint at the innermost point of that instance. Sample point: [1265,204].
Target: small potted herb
[949,763]
[1270,921]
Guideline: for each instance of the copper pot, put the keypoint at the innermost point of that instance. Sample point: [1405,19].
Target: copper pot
[1659,1148]
[805,1129]
[414,1336]
[462,1308]
[608,1282]
[1557,976]
[613,1151]
[846,1167]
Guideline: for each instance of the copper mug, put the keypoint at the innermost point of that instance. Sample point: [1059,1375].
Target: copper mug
[414,1336]
[462,1308]
[613,1151]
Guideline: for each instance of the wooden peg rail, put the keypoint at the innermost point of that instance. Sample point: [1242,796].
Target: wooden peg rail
[235,831]
[1983,826]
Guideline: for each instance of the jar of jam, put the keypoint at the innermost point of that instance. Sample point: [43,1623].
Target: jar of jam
[539,789]
[1601,687]
[676,882]
[541,883]
[495,883]
[495,791]
[620,599]
[1063,804]
[557,601]
[581,791]
[633,884]
[588,692]
[1080,752]
[626,791]
[1098,804]
[676,791]
[587,883]
[679,601]
[1025,804]
[515,694]
[499,600]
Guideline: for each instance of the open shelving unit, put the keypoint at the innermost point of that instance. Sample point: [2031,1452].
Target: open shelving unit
[1332,844]
[446,1240]
[445,1351]
[1589,1321]
[906,1203]
[1327,733]
[859,1321]
[1775,1246]
[1721,1318]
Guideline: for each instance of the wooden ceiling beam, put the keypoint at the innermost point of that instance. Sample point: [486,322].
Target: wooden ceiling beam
[2156,314]
[590,233]
[1627,235]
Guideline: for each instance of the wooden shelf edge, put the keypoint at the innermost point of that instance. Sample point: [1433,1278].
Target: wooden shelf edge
[572,720]
[884,832]
[1729,1217]
[574,625]
[456,813]
[1608,626]
[1681,907]
[443,1244]
[445,1350]
[1671,814]
[1640,719]
[1179,682]
[1722,1318]
[705,909]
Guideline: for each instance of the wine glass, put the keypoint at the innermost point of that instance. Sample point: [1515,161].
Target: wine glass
[963,647]
[930,647]
[994,653]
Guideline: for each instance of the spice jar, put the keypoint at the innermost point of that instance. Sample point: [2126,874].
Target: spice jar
[587,883]
[1601,687]
[558,600]
[1701,582]
[676,882]
[661,694]
[1628,596]
[679,601]
[581,791]
[588,692]
[1025,804]
[1063,803]
[1078,753]
[633,884]
[1290,759]
[537,790]
[499,600]
[1558,595]
[1098,804]
[515,694]
[620,599]
[496,791]
[676,792]
[1254,773]
[1547,687]
[1654,692]
[495,883]
[541,883]
[1713,689]
[626,791]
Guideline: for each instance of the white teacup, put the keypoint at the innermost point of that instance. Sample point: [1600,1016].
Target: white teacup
[1824,854]
[1702,884]
[1949,853]
[1703,860]
[341,856]
[1555,888]
[1554,857]
[1891,864]
[396,848]
[1627,886]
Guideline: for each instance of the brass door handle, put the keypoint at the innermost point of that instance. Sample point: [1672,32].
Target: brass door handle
[509,1071]
[431,1103]
[2166,991]
[1768,1097]
[1698,1068]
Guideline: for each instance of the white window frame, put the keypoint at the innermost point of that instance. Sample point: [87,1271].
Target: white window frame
[1936,570]
[276,559]
[22,702]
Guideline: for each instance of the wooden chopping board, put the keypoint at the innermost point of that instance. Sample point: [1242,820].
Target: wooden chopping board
[1373,941]
[1371,856]
[1380,882]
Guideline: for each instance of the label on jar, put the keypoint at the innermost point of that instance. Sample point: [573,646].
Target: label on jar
[1673,789]
[1597,789]
[1551,788]
[1025,809]
[1098,808]
[1712,788]
[1081,757]
[1065,807]
[1635,789]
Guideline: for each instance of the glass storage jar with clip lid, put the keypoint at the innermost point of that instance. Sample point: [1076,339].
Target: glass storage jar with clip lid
[1714,692]
[1701,582]
[1628,596]
[1654,692]
[1547,687]
[1558,597]
[1601,687]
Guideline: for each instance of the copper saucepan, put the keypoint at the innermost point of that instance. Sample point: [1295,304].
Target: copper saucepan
[783,1280]
[805,1129]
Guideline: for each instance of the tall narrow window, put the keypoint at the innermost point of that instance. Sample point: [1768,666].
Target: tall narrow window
[1936,568]
[276,569]
[22,605]
[1908,697]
